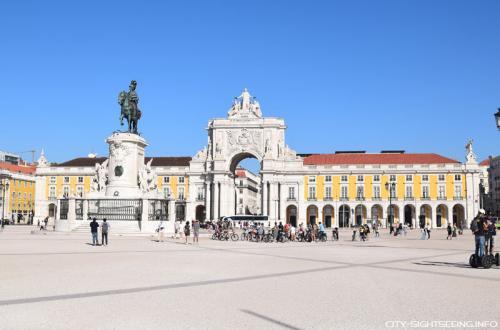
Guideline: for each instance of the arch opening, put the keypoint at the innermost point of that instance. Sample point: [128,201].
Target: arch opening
[247,178]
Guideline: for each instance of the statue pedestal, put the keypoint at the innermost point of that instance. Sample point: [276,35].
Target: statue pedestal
[126,158]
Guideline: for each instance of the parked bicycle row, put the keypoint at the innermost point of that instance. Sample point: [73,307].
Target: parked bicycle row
[258,232]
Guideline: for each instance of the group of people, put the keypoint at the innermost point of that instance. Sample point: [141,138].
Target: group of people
[94,230]
[484,229]
[186,231]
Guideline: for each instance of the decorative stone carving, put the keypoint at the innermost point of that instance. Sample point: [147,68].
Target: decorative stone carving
[202,154]
[42,161]
[244,106]
[147,178]
[119,150]
[470,156]
[100,179]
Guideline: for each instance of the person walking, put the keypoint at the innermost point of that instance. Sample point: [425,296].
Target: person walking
[428,232]
[93,230]
[177,227]
[104,232]
[449,231]
[454,233]
[196,231]
[46,221]
[187,231]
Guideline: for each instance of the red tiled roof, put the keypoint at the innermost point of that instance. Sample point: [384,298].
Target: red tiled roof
[485,162]
[241,174]
[157,161]
[385,158]
[17,168]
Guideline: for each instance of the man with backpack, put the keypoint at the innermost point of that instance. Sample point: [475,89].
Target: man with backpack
[478,227]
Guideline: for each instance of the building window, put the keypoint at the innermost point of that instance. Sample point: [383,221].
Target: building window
[52,180]
[409,191]
[343,192]
[166,192]
[328,178]
[458,177]
[392,178]
[312,192]
[166,179]
[181,179]
[65,191]
[241,200]
[458,191]
[376,178]
[360,178]
[328,192]
[79,191]
[80,179]
[52,192]
[441,192]
[291,192]
[441,177]
[14,195]
[241,183]
[343,178]
[409,178]
[241,191]
[425,177]
[425,191]
[66,179]
[200,195]
[376,191]
[180,193]
[312,178]
[360,192]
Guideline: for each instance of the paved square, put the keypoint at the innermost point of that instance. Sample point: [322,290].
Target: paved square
[57,281]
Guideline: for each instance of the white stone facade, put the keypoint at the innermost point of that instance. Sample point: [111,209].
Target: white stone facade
[207,191]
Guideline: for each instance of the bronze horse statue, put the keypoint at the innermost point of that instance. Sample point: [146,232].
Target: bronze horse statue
[130,111]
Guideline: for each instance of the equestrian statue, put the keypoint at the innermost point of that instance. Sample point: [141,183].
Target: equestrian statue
[129,102]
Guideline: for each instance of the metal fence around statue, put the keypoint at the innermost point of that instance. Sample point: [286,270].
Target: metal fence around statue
[115,209]
[158,210]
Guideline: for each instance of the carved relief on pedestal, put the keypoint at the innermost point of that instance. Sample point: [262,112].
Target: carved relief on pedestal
[100,178]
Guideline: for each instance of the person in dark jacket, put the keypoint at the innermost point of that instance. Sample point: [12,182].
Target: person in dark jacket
[477,227]
[93,230]
[449,230]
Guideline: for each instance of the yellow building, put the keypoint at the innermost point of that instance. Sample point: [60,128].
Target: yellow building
[17,192]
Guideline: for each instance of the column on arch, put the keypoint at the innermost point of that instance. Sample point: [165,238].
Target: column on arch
[208,201]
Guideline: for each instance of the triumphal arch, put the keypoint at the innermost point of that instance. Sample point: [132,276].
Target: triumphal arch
[245,133]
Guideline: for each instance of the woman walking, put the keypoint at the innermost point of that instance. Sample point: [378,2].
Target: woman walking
[187,231]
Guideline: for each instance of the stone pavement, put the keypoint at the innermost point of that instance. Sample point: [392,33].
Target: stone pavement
[59,281]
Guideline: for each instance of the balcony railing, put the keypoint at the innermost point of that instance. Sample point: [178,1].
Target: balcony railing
[409,198]
[425,198]
[200,198]
[441,198]
[360,198]
[328,198]
[311,198]
[291,198]
[458,198]
[344,198]
[377,198]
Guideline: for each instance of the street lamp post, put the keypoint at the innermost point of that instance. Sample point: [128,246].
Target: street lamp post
[497,118]
[390,187]
[4,184]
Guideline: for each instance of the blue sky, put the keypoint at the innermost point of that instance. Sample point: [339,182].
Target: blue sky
[422,76]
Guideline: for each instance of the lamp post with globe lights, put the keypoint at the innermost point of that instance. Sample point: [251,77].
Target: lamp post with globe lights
[390,187]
